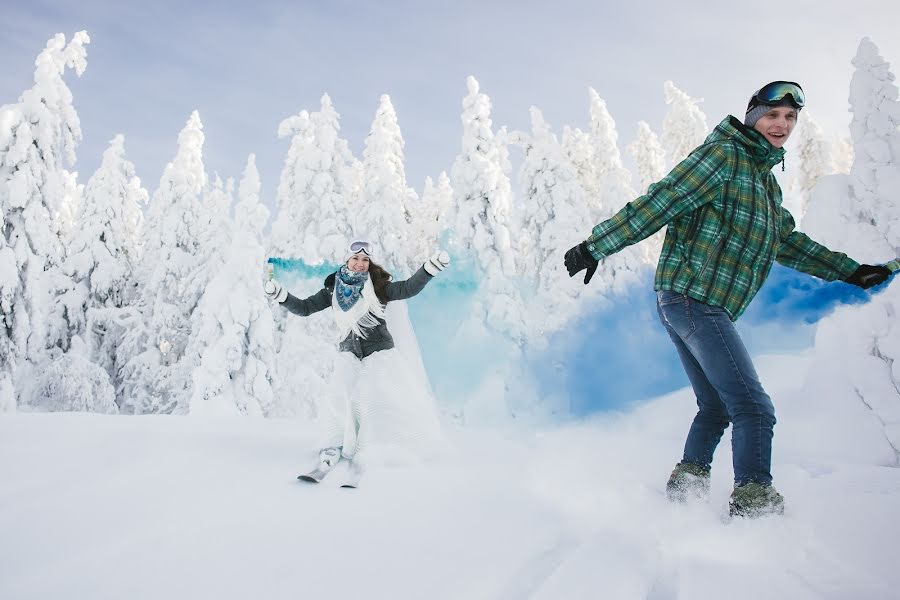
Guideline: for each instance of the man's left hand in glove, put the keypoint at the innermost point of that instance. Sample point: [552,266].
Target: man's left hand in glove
[867,276]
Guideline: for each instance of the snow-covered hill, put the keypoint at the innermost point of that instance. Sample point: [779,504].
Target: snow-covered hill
[95,506]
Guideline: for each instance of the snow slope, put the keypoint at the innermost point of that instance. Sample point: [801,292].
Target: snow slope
[95,506]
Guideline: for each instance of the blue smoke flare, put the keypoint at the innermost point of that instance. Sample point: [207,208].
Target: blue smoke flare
[613,355]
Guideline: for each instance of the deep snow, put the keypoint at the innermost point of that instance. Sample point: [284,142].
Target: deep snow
[95,506]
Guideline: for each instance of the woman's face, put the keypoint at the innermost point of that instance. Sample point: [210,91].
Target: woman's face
[358,262]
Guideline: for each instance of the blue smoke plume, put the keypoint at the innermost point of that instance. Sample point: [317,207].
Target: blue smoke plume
[613,355]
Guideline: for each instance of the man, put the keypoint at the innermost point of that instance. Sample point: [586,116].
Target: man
[726,227]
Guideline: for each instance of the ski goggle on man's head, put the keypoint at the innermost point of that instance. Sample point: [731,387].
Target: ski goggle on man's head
[775,92]
[358,246]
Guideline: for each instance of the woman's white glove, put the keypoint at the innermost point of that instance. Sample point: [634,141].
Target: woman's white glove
[275,291]
[437,263]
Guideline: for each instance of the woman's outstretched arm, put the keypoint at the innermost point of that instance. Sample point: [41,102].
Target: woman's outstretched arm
[401,290]
[303,307]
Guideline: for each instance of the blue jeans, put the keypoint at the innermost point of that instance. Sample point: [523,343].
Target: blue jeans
[726,385]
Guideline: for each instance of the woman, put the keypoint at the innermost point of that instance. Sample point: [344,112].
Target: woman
[381,409]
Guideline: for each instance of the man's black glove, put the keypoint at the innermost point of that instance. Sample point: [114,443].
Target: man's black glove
[579,258]
[868,275]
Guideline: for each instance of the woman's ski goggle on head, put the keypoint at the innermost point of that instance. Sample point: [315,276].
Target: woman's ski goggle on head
[360,246]
[775,92]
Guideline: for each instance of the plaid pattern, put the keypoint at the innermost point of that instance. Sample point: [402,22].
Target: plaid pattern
[726,223]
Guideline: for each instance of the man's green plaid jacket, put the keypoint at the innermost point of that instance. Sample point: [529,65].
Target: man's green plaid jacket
[726,223]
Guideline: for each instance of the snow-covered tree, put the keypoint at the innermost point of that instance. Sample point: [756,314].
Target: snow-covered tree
[70,205]
[875,130]
[292,216]
[648,155]
[103,254]
[386,213]
[430,216]
[860,213]
[650,159]
[217,197]
[337,210]
[483,197]
[578,149]
[317,198]
[857,350]
[684,126]
[232,333]
[553,209]
[173,277]
[215,229]
[317,189]
[37,135]
[841,155]
[613,179]
[614,191]
[812,151]
[74,383]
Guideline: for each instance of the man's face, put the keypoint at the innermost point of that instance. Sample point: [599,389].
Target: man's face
[777,124]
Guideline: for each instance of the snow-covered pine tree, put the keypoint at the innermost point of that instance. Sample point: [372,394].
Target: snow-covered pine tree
[614,188]
[172,279]
[430,218]
[578,149]
[317,199]
[386,214]
[812,151]
[66,217]
[215,231]
[650,159]
[74,383]
[684,126]
[857,349]
[317,189]
[36,135]
[292,216]
[860,213]
[649,156]
[841,155]
[339,183]
[232,334]
[483,197]
[875,130]
[103,254]
[64,316]
[320,168]
[553,209]
[613,179]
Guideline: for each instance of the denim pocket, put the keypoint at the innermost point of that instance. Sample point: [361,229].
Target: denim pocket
[675,311]
[664,297]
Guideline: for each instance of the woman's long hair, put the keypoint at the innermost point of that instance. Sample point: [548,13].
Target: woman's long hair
[380,279]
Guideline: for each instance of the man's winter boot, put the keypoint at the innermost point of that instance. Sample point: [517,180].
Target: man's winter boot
[688,481]
[754,500]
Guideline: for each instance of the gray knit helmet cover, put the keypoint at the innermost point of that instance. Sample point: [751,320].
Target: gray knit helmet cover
[755,110]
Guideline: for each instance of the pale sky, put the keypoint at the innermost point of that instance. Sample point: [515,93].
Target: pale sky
[246,66]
